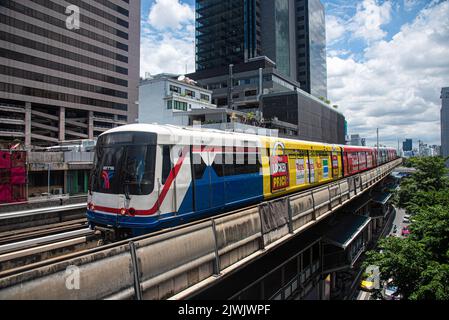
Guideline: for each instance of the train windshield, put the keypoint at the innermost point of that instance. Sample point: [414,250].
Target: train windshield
[124,163]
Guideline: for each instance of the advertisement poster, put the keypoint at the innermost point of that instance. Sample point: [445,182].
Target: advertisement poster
[279,173]
[335,165]
[311,165]
[325,168]
[300,172]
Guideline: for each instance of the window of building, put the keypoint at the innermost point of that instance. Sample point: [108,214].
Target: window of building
[250,93]
[178,105]
[169,104]
[175,89]
[205,97]
[190,93]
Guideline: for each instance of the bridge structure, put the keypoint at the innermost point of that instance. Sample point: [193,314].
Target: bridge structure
[207,258]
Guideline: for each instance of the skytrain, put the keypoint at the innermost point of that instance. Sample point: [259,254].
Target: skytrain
[147,177]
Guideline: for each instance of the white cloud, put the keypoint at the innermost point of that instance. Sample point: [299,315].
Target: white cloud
[168,55]
[397,85]
[368,21]
[334,29]
[170,14]
[168,39]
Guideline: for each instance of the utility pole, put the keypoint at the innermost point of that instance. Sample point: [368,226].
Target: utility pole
[231,87]
[378,155]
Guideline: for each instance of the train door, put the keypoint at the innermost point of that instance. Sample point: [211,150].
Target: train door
[217,179]
[208,179]
[201,181]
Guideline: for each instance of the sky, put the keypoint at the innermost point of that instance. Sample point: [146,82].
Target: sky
[386,60]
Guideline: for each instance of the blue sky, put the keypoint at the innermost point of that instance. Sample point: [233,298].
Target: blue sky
[387,60]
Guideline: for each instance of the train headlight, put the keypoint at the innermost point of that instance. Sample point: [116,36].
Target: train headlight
[90,206]
[132,211]
[123,211]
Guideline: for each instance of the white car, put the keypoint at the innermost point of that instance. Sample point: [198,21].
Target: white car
[389,291]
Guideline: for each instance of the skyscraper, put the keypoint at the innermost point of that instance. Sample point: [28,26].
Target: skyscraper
[407,145]
[67,71]
[445,122]
[311,47]
[227,32]
[289,32]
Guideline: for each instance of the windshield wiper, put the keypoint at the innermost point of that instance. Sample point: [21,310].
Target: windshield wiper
[126,189]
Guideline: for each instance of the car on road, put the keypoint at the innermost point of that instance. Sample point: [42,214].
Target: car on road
[405,231]
[368,283]
[390,291]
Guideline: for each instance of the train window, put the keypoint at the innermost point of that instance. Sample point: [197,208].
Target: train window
[243,163]
[199,166]
[166,163]
[138,171]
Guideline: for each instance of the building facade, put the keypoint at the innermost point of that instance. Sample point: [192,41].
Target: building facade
[227,32]
[445,122]
[311,47]
[68,70]
[291,33]
[407,145]
[257,87]
[314,120]
[164,99]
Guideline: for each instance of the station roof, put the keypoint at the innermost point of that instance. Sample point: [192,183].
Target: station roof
[381,197]
[345,229]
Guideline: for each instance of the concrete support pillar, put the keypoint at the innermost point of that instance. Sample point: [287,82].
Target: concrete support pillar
[61,124]
[27,124]
[66,185]
[90,127]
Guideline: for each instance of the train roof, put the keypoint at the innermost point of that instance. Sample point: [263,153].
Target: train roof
[170,133]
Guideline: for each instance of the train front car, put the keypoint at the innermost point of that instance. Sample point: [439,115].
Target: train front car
[122,180]
[150,177]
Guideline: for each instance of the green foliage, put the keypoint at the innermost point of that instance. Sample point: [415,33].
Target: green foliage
[434,283]
[419,264]
[401,260]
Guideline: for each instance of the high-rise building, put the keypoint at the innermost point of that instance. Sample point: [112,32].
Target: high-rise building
[289,32]
[227,32]
[69,70]
[311,47]
[445,122]
[407,145]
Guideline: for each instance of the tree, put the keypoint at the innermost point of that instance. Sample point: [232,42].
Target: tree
[431,228]
[434,283]
[401,260]
[430,173]
[419,264]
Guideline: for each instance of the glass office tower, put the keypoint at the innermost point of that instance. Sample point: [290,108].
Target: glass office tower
[292,33]
[311,47]
[227,32]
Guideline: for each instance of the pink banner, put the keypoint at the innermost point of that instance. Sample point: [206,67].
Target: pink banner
[18,176]
[5,160]
[5,194]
